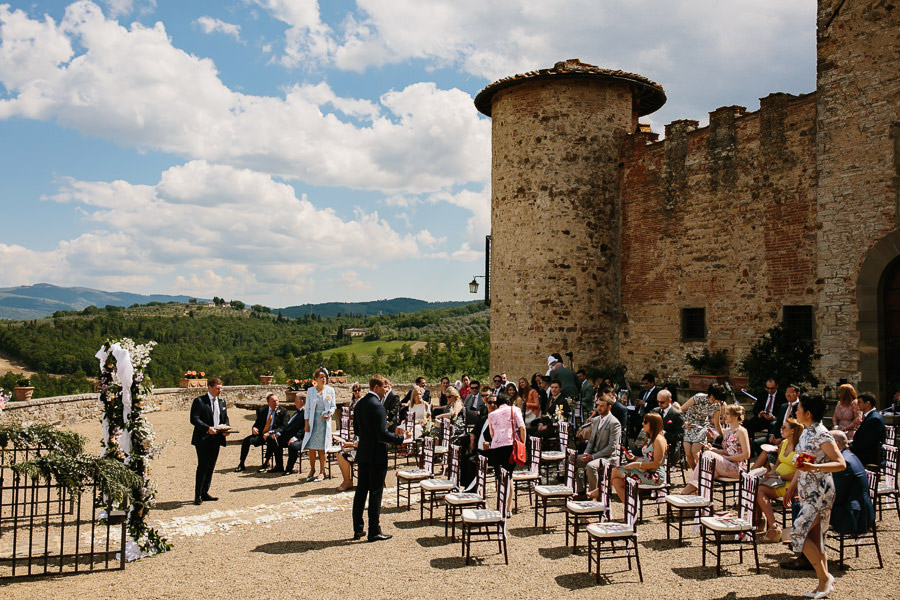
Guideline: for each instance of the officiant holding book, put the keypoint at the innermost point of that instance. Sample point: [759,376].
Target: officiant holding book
[209,417]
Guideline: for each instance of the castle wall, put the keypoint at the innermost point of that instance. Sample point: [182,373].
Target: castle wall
[858,167]
[555,221]
[723,217]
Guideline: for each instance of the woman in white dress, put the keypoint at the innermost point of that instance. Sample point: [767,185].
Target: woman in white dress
[418,409]
[320,406]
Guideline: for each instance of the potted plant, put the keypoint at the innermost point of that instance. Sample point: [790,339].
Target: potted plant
[709,368]
[337,376]
[23,389]
[193,379]
[267,377]
[296,387]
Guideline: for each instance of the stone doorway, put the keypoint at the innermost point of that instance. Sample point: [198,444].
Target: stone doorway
[890,305]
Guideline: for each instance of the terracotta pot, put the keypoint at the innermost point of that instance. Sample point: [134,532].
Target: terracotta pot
[23,394]
[192,383]
[289,396]
[702,382]
[738,382]
[266,379]
[338,379]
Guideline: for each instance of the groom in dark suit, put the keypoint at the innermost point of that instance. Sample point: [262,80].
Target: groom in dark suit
[871,433]
[208,414]
[370,425]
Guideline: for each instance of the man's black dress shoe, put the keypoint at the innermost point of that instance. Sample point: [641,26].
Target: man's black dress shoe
[379,537]
[198,501]
[800,563]
[239,468]
[359,535]
[275,470]
[208,498]
[263,470]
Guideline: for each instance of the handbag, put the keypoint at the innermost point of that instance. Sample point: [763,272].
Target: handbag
[517,457]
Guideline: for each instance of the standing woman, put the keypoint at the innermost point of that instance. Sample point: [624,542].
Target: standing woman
[735,449]
[847,415]
[697,412]
[320,405]
[504,422]
[816,489]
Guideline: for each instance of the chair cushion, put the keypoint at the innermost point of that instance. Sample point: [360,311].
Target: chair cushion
[585,507]
[524,476]
[725,523]
[886,487]
[553,490]
[440,449]
[652,486]
[481,516]
[437,485]
[334,449]
[610,530]
[687,501]
[727,480]
[463,498]
[552,455]
[414,474]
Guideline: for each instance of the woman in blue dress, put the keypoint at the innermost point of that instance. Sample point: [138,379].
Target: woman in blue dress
[320,405]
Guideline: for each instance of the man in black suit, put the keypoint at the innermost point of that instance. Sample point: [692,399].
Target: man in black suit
[391,403]
[673,421]
[426,397]
[786,411]
[871,433]
[268,419]
[473,403]
[767,404]
[370,425]
[208,416]
[287,437]
[568,383]
[852,512]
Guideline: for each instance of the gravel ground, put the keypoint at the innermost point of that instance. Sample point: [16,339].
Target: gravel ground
[277,536]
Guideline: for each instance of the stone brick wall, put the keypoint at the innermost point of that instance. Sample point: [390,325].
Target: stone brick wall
[721,217]
[86,407]
[555,221]
[858,104]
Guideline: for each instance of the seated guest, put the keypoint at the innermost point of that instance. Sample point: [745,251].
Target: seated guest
[444,400]
[532,400]
[474,403]
[774,484]
[355,394]
[847,416]
[454,407]
[786,411]
[648,471]
[289,436]
[425,395]
[673,421]
[512,392]
[603,445]
[418,408]
[764,410]
[735,448]
[345,457]
[268,419]
[852,513]
[479,442]
[871,433]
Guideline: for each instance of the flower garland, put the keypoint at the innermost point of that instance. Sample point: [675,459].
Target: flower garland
[129,438]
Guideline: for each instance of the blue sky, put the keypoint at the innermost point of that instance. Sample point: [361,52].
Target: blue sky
[289,151]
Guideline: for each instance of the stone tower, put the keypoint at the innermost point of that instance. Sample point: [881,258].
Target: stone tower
[556,210]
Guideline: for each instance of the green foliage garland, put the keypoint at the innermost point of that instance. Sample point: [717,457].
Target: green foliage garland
[114,480]
[42,436]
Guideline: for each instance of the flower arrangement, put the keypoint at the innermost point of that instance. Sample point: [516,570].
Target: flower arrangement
[300,385]
[559,415]
[337,372]
[268,373]
[23,382]
[143,496]
[194,374]
[4,398]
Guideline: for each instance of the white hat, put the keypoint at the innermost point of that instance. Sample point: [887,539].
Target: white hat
[550,361]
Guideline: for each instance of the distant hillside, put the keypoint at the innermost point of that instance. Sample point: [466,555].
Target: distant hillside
[366,309]
[43,299]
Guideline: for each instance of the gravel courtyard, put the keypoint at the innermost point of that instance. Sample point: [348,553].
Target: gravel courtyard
[272,536]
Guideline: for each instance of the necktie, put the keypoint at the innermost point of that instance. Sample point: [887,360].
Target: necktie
[215,411]
[769,404]
[268,423]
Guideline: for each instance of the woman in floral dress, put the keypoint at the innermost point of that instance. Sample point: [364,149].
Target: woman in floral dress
[697,413]
[649,470]
[735,449]
[815,487]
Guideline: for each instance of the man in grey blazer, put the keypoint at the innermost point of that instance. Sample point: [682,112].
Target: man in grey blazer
[606,435]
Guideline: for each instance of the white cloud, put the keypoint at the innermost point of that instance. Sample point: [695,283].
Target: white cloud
[132,86]
[209,229]
[477,202]
[212,25]
[120,8]
[466,254]
[351,280]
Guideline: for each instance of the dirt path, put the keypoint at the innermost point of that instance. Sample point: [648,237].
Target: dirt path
[8,364]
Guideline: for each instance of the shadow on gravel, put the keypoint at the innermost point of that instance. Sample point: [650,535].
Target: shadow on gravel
[298,547]
[436,541]
[556,553]
[416,524]
[581,581]
[524,531]
[173,505]
[664,544]
[453,562]
[734,596]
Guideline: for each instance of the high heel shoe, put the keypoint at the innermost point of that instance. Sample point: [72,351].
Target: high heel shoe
[772,536]
[816,595]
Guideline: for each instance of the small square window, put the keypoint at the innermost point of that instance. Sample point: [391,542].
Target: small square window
[800,321]
[693,324]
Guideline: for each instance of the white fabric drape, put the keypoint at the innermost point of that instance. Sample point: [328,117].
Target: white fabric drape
[125,374]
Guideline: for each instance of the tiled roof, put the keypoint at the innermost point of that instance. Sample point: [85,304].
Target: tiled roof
[650,95]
